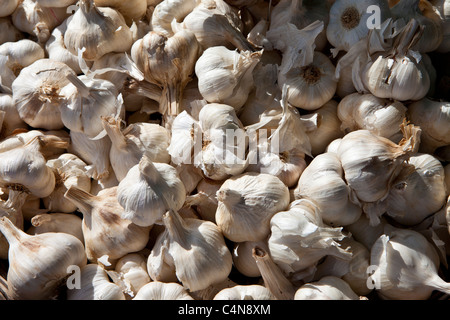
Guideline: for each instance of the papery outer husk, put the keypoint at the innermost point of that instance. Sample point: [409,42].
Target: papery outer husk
[133,271]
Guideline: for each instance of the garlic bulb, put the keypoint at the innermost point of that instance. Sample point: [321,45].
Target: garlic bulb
[130,10]
[83,31]
[133,269]
[247,202]
[371,162]
[94,152]
[383,117]
[106,234]
[148,190]
[327,288]
[349,21]
[7,7]
[57,51]
[215,23]
[25,167]
[326,127]
[86,101]
[38,264]
[243,259]
[156,290]
[131,143]
[245,292]
[204,201]
[14,121]
[95,285]
[56,3]
[226,76]
[167,62]
[189,175]
[424,180]
[68,170]
[36,93]
[365,233]
[432,35]
[299,239]
[433,117]
[398,73]
[11,33]
[18,55]
[12,209]
[195,248]
[169,10]
[56,222]
[406,266]
[37,20]
[323,182]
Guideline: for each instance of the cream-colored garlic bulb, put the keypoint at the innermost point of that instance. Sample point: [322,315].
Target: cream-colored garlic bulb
[365,233]
[131,10]
[204,201]
[15,56]
[432,35]
[104,183]
[157,290]
[196,250]
[148,190]
[349,21]
[11,33]
[86,101]
[13,118]
[326,127]
[247,202]
[25,168]
[189,175]
[226,76]
[245,292]
[299,239]
[133,270]
[56,3]
[398,73]
[327,288]
[323,182]
[418,191]
[243,259]
[56,222]
[383,117]
[129,144]
[371,162]
[38,264]
[36,93]
[94,284]
[169,63]
[107,236]
[433,117]
[12,209]
[94,152]
[406,266]
[166,11]
[68,170]
[83,31]
[7,7]
[215,23]
[36,20]
[57,51]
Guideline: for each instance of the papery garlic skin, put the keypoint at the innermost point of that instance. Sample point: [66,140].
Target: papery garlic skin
[131,10]
[245,292]
[168,10]
[56,222]
[247,202]
[95,285]
[327,288]
[156,290]
[38,264]
[13,118]
[133,270]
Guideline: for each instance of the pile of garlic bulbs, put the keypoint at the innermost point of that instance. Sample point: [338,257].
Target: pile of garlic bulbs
[224,149]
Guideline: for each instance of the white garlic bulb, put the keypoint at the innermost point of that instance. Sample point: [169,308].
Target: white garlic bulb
[95,285]
[246,204]
[323,182]
[11,33]
[406,266]
[365,233]
[245,292]
[169,10]
[131,10]
[424,180]
[299,239]
[327,288]
[68,170]
[83,32]
[36,93]
[148,190]
[129,144]
[349,21]
[133,270]
[226,76]
[7,7]
[106,234]
[10,112]
[157,290]
[38,264]
[243,259]
[56,222]
[196,250]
